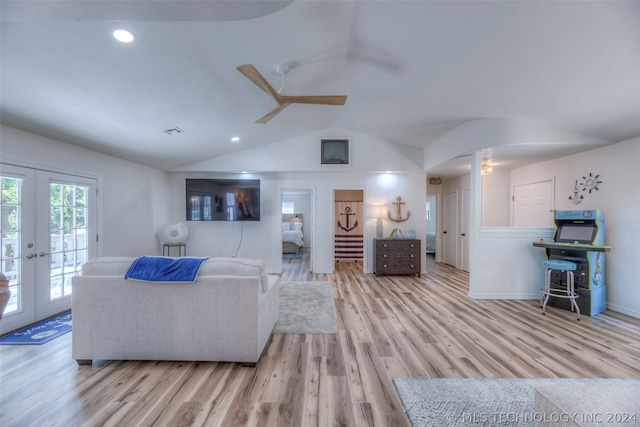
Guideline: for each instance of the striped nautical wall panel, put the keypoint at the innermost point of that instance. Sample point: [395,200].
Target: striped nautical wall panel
[349,229]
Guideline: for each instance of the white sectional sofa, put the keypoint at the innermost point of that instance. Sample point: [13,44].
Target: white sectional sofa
[227,314]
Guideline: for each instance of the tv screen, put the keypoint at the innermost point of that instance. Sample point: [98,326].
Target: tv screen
[211,199]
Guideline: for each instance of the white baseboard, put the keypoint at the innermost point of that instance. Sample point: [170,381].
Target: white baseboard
[623,310]
[504,296]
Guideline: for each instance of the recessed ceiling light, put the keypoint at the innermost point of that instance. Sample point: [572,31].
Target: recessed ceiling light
[235,139]
[123,36]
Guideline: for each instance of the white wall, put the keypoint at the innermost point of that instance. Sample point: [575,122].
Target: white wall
[136,201]
[263,239]
[379,188]
[259,240]
[617,198]
[475,135]
[495,199]
[133,198]
[302,154]
[295,163]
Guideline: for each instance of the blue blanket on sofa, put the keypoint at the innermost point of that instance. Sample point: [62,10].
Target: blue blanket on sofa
[162,269]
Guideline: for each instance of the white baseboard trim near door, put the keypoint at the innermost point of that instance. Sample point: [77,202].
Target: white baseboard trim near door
[504,296]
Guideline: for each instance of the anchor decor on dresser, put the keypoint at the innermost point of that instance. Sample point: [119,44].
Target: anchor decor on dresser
[398,217]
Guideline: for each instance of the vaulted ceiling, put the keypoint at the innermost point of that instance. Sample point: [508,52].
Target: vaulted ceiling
[412,70]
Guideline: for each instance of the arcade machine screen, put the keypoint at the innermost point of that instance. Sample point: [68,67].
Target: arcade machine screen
[576,233]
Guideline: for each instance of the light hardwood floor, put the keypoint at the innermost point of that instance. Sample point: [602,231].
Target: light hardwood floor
[389,327]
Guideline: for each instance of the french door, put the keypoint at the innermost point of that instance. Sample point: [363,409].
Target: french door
[47,231]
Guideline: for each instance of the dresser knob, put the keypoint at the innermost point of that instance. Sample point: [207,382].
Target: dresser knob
[411,255]
[385,265]
[384,256]
[412,266]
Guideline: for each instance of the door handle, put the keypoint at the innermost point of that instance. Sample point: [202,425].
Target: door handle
[43,254]
[29,256]
[444,232]
[463,234]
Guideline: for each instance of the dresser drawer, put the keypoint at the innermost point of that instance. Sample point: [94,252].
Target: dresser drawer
[398,267]
[396,256]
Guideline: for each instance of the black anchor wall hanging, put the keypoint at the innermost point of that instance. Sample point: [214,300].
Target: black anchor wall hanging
[347,213]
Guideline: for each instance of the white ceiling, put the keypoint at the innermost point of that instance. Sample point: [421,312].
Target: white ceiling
[412,70]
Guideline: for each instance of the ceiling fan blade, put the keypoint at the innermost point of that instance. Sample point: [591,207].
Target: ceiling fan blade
[315,99]
[254,75]
[271,114]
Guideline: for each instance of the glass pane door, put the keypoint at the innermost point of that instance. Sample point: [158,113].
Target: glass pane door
[67,235]
[17,243]
[47,230]
[63,238]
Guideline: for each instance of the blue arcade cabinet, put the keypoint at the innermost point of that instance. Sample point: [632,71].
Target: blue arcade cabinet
[579,238]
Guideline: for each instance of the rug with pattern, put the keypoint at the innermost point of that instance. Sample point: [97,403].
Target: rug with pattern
[306,308]
[40,332]
[480,401]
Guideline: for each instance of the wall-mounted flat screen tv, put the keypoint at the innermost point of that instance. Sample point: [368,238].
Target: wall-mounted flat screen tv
[210,199]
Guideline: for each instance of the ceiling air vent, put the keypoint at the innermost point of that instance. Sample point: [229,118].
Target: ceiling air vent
[173,130]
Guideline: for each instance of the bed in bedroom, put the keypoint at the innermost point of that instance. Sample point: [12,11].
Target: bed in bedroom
[292,236]
[431,243]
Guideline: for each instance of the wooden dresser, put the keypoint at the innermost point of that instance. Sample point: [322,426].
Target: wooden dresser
[396,256]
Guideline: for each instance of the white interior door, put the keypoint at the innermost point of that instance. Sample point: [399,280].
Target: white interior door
[450,228]
[464,234]
[49,229]
[532,204]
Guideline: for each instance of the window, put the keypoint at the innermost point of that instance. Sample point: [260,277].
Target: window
[288,207]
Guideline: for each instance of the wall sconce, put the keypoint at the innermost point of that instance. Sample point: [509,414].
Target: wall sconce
[379,212]
[486,169]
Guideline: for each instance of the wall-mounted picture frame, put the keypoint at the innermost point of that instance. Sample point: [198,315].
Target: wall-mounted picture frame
[334,151]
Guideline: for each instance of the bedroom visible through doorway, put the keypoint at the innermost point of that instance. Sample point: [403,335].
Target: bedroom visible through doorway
[432,214]
[297,226]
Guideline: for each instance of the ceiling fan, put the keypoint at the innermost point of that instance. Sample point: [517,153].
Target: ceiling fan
[254,75]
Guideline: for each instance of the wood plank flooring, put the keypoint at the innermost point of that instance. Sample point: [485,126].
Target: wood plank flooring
[389,327]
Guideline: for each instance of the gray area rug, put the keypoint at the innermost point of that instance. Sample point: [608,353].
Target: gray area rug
[306,308]
[479,402]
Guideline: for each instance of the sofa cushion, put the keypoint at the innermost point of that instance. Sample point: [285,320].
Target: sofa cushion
[232,267]
[107,266]
[236,267]
[118,266]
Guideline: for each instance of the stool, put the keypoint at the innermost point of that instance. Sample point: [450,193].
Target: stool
[166,249]
[559,292]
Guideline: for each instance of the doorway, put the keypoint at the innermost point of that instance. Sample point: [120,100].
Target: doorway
[47,230]
[431,218]
[297,227]
[349,227]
